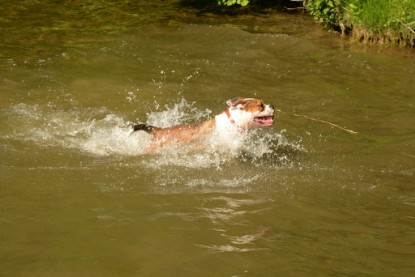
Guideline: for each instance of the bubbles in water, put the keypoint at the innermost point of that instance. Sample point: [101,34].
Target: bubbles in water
[131,97]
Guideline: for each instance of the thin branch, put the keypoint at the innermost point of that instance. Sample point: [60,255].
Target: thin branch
[407,26]
[326,122]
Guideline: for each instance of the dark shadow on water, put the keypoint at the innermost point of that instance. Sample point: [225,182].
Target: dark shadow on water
[254,7]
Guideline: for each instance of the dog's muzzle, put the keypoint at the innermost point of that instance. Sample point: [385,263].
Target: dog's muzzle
[266,117]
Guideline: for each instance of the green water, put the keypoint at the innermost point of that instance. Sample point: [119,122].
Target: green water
[305,198]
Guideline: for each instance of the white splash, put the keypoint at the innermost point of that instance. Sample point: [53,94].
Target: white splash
[178,113]
[97,131]
[94,131]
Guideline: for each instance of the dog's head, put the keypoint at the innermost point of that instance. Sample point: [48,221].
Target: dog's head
[250,112]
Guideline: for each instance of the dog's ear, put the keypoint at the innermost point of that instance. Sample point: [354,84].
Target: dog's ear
[236,102]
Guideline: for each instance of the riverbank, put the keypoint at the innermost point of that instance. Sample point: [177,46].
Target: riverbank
[369,22]
[383,22]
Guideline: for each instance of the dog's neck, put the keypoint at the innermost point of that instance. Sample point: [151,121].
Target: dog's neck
[228,114]
[233,118]
[225,120]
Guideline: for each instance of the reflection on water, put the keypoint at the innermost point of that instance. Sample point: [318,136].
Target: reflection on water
[79,196]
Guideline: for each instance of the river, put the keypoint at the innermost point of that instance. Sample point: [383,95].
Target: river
[80,197]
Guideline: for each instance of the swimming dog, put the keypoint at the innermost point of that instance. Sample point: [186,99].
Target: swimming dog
[242,113]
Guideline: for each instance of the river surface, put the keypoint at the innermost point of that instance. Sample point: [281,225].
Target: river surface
[79,196]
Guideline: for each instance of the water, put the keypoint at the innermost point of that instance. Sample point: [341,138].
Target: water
[80,197]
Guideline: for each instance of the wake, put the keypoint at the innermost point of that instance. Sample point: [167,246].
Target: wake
[98,132]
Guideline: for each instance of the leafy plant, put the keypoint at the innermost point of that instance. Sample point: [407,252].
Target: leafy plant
[325,11]
[233,2]
[370,20]
[367,20]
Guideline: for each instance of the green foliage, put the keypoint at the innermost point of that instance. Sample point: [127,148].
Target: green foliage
[325,11]
[233,2]
[375,15]
[375,20]
[381,20]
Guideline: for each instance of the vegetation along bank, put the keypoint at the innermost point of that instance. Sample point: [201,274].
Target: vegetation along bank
[367,21]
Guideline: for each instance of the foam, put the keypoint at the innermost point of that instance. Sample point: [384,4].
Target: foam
[97,131]
[91,131]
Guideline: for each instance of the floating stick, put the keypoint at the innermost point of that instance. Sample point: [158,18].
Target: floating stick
[326,122]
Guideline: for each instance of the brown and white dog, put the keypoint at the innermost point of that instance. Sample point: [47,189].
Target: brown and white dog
[242,113]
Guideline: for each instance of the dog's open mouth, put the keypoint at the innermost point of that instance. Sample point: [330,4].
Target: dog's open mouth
[264,120]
